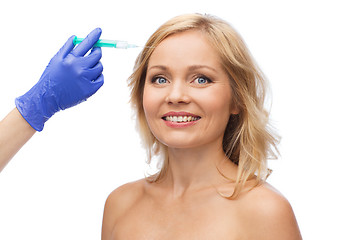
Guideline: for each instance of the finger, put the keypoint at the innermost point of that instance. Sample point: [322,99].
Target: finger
[95,72]
[97,83]
[94,57]
[87,43]
[67,47]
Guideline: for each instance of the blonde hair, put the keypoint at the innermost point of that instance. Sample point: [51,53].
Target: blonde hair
[248,140]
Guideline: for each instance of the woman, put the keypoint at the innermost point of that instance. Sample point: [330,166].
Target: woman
[199,99]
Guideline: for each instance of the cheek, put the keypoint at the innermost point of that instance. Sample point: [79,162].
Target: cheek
[150,102]
[217,103]
[147,101]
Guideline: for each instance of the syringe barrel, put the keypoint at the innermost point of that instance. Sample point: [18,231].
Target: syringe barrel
[122,44]
[107,43]
[99,43]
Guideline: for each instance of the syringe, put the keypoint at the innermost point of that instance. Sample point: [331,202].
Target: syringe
[108,43]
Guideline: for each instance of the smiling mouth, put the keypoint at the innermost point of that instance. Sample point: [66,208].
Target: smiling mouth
[180,119]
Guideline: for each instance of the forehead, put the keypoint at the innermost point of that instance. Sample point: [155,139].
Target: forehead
[187,48]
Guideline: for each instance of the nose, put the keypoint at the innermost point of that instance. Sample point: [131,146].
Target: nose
[178,93]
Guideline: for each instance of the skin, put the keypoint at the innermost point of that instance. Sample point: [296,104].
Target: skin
[15,132]
[186,204]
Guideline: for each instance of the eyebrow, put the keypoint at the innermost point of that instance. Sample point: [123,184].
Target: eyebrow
[195,67]
[191,68]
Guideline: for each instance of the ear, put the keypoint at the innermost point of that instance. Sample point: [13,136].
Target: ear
[235,110]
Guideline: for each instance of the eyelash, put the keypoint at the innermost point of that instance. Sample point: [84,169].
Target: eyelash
[203,77]
[157,78]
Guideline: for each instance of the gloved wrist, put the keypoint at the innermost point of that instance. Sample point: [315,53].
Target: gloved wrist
[32,109]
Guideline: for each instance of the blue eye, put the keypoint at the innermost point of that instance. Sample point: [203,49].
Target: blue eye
[159,80]
[202,80]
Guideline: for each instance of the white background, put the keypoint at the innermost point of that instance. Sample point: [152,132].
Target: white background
[56,186]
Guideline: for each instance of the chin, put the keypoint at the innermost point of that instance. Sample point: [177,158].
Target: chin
[180,144]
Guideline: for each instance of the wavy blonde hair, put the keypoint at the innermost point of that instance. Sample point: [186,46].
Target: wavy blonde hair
[248,139]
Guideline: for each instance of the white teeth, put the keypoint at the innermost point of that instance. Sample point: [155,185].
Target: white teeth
[181,118]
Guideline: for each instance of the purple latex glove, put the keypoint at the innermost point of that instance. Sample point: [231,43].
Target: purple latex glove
[70,78]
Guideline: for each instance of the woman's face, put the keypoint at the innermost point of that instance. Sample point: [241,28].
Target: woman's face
[187,94]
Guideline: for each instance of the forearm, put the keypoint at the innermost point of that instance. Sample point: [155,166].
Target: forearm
[14,133]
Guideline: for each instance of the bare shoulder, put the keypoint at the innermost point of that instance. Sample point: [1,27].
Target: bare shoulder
[267,200]
[119,202]
[270,213]
[125,194]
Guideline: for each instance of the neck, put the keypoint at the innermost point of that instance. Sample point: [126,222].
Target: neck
[197,168]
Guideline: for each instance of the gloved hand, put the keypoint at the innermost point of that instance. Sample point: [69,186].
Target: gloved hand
[70,78]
